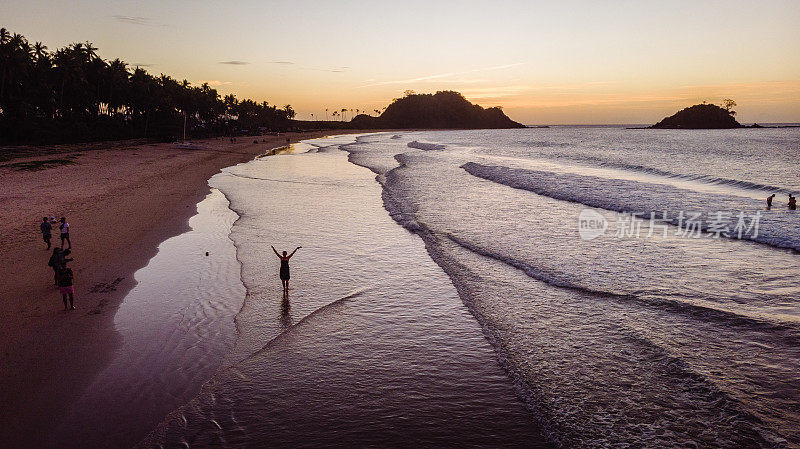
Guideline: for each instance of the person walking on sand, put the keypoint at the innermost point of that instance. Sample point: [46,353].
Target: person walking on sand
[47,231]
[65,287]
[55,263]
[769,201]
[65,233]
[58,261]
[792,202]
[285,267]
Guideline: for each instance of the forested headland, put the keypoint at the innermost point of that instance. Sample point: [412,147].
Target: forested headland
[73,95]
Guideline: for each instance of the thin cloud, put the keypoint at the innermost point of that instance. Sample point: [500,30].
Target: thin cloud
[601,100]
[561,91]
[215,83]
[784,84]
[142,64]
[497,92]
[134,20]
[574,86]
[333,70]
[494,92]
[439,76]
[234,62]
[410,80]
[571,95]
[498,67]
[336,69]
[458,81]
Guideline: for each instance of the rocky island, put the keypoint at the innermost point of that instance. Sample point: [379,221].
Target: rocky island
[701,116]
[442,110]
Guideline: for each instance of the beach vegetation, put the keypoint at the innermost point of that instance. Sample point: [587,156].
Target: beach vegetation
[71,94]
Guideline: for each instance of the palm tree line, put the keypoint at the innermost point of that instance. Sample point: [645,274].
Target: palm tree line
[341,114]
[71,94]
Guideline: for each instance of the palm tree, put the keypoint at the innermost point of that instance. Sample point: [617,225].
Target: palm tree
[118,77]
[90,50]
[39,50]
[326,114]
[16,61]
[344,111]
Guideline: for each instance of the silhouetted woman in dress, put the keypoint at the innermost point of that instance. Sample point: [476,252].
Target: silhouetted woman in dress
[285,267]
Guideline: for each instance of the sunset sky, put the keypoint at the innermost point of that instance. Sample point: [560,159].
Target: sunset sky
[565,62]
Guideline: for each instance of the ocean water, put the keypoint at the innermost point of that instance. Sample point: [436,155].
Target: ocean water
[447,294]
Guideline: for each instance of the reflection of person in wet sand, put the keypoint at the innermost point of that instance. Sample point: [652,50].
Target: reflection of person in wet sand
[285,267]
[286,317]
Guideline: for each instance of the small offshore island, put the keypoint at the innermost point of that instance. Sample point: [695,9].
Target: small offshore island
[701,116]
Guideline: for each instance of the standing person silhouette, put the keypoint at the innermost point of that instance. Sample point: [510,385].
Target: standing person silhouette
[285,267]
[47,228]
[65,233]
[769,201]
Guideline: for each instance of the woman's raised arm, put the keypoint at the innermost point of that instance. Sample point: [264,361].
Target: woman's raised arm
[295,250]
[275,251]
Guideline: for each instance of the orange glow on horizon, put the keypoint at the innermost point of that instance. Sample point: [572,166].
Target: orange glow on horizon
[545,63]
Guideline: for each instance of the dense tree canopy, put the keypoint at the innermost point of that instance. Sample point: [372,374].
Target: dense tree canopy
[442,110]
[71,94]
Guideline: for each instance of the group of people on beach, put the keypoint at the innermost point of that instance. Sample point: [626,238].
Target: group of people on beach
[792,205]
[62,274]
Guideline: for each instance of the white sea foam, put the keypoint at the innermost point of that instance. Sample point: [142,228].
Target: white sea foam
[425,146]
[777,227]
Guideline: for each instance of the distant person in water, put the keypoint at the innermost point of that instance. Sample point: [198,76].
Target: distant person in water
[65,287]
[285,267]
[47,231]
[65,233]
[769,201]
[792,202]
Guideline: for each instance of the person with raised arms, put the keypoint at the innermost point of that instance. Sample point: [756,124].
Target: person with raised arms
[284,272]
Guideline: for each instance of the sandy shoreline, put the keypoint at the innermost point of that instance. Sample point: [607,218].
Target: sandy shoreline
[121,203]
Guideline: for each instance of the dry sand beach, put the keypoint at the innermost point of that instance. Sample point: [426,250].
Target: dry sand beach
[121,202]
